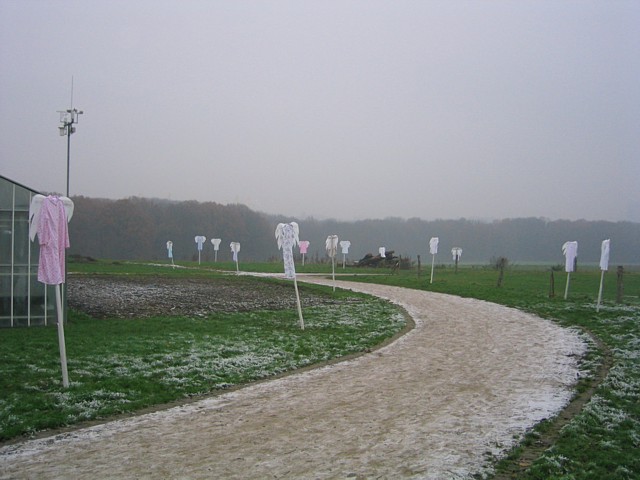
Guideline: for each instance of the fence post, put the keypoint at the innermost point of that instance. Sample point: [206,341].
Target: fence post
[620,284]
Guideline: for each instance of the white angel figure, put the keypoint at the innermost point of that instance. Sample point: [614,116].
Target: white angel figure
[216,246]
[304,246]
[235,249]
[331,245]
[604,254]
[433,245]
[34,212]
[344,244]
[570,251]
[48,219]
[287,235]
[604,266]
[200,239]
[433,250]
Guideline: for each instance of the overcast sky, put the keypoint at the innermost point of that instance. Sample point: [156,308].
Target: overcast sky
[332,109]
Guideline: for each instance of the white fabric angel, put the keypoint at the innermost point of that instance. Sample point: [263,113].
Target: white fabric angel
[331,245]
[604,255]
[287,235]
[570,252]
[235,249]
[433,245]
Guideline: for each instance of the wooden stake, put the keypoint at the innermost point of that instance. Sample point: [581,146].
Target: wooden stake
[620,284]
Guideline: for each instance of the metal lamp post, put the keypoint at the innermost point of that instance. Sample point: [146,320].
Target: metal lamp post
[67,119]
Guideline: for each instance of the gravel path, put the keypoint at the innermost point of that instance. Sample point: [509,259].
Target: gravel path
[466,382]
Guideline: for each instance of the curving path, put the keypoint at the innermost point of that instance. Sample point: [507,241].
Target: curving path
[466,382]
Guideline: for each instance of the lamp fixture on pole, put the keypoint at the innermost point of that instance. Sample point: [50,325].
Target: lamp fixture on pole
[67,119]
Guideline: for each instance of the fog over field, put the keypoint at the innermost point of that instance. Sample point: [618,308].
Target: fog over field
[347,110]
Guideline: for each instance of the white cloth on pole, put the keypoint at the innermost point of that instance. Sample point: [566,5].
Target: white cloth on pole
[604,255]
[200,239]
[170,248]
[433,245]
[345,244]
[216,243]
[570,251]
[383,252]
[49,221]
[235,248]
[287,237]
[331,245]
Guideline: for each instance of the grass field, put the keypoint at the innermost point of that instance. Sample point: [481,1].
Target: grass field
[122,366]
[125,365]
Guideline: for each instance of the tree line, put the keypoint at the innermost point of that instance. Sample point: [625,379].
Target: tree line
[139,228]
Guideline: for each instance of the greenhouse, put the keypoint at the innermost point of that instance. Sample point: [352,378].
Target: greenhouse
[24,301]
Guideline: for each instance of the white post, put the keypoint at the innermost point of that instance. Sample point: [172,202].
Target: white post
[433,260]
[600,291]
[295,284]
[333,271]
[63,352]
[303,259]
[566,288]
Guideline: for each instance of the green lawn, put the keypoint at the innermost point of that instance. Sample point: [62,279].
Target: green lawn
[123,365]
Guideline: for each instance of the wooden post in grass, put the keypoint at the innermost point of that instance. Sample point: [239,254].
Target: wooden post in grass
[419,272]
[502,263]
[620,285]
[552,285]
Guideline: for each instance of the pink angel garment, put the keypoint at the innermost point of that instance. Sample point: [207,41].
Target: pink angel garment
[53,236]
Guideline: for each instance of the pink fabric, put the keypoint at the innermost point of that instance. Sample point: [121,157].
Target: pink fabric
[53,236]
[303,246]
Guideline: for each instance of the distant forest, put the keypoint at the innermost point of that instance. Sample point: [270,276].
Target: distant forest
[139,228]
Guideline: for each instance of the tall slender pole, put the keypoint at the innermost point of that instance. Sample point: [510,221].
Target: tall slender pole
[566,288]
[295,285]
[69,127]
[600,291]
[433,261]
[61,343]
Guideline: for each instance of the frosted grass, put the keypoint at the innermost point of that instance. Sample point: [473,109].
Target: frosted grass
[118,376]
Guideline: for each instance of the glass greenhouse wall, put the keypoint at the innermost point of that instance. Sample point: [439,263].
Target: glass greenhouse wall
[24,301]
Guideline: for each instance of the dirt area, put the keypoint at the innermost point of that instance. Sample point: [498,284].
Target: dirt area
[464,385]
[104,296]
